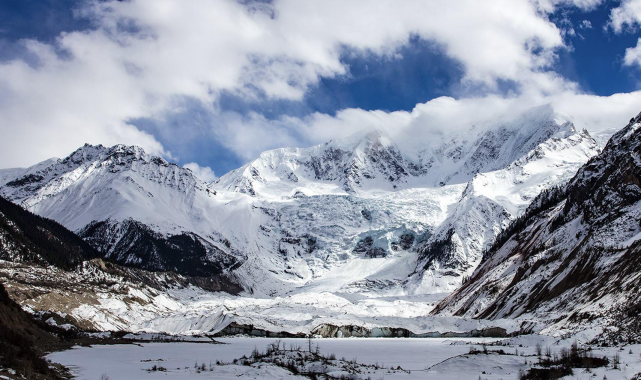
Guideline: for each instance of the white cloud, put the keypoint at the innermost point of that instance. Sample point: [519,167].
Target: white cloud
[633,55]
[427,122]
[599,113]
[203,172]
[627,14]
[145,56]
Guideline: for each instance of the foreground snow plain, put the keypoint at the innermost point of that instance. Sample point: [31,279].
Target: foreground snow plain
[420,358]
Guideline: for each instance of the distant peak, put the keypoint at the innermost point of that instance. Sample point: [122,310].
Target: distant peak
[128,149]
[88,153]
[545,112]
[367,135]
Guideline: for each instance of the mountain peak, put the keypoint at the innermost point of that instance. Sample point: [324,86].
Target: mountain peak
[123,172]
[627,132]
[361,138]
[90,152]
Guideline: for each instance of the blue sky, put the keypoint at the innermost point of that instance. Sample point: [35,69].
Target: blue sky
[191,125]
[595,60]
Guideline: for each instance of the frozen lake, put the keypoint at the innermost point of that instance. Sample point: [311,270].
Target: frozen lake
[131,361]
[426,358]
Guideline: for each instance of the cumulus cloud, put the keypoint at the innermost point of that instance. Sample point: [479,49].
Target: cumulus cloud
[633,55]
[203,172]
[430,122]
[627,14]
[143,58]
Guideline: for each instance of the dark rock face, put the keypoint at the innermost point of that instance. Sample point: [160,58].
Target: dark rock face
[488,150]
[26,180]
[404,243]
[608,182]
[351,168]
[349,331]
[376,252]
[388,161]
[324,167]
[23,341]
[241,329]
[133,244]
[366,246]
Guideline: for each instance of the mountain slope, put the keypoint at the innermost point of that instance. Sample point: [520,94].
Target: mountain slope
[492,199]
[574,258]
[25,237]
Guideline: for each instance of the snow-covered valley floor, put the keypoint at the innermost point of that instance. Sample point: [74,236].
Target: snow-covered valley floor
[204,312]
[429,358]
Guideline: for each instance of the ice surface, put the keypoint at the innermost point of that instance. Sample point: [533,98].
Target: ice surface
[429,358]
[124,361]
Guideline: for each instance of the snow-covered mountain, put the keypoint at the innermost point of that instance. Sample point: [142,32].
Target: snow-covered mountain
[574,258]
[135,208]
[357,215]
[366,160]
[430,213]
